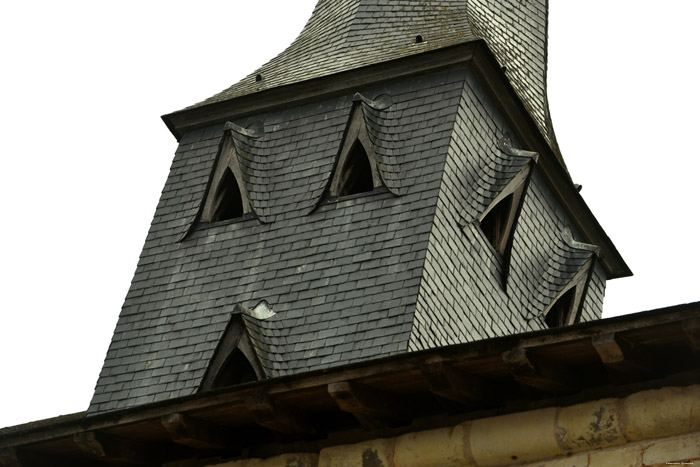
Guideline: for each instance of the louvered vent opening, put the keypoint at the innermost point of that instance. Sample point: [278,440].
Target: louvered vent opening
[495,224]
[357,173]
[228,201]
[558,315]
[236,370]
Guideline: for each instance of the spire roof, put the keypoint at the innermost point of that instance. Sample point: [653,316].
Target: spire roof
[342,35]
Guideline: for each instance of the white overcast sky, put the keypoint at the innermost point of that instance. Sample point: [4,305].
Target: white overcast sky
[84,155]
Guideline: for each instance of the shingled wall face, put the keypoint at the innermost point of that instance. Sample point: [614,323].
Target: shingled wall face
[342,277]
[461,297]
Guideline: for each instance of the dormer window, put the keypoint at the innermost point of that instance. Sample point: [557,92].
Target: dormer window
[227,197]
[356,170]
[356,176]
[572,264]
[499,219]
[236,370]
[228,203]
[561,311]
[235,360]
[495,224]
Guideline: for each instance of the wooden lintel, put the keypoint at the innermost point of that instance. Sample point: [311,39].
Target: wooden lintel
[114,449]
[372,408]
[621,356]
[457,386]
[537,373]
[691,329]
[195,433]
[276,418]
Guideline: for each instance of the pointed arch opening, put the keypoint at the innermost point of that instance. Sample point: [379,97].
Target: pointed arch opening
[226,197]
[228,202]
[495,224]
[561,310]
[356,175]
[234,361]
[356,169]
[236,370]
[566,307]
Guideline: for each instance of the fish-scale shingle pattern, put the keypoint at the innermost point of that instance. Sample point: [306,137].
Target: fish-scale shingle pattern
[342,35]
[516,33]
[462,297]
[342,278]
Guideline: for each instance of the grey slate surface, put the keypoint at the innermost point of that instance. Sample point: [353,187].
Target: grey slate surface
[342,277]
[461,297]
[351,279]
[343,35]
[516,33]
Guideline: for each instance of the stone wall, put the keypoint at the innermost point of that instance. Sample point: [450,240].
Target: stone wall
[649,428]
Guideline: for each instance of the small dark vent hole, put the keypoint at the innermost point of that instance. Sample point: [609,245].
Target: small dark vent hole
[258,77]
[236,370]
[419,39]
[228,200]
[495,223]
[357,176]
[560,311]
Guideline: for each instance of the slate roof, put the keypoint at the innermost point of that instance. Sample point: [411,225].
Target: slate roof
[342,35]
[343,277]
[346,34]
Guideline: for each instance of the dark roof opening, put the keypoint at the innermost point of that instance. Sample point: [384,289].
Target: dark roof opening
[228,201]
[558,315]
[236,370]
[258,77]
[495,224]
[357,173]
[419,39]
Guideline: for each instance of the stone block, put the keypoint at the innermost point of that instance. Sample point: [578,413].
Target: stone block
[515,438]
[284,460]
[627,456]
[584,427]
[374,453]
[679,450]
[291,460]
[446,447]
[661,413]
[578,460]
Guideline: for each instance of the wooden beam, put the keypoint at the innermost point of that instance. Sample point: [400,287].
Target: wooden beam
[457,386]
[537,373]
[621,356]
[372,408]
[275,418]
[114,449]
[195,433]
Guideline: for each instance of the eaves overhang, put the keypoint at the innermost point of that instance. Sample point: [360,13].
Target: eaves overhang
[302,92]
[416,391]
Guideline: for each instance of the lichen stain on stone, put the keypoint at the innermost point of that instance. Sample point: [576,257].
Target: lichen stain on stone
[602,429]
[370,458]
